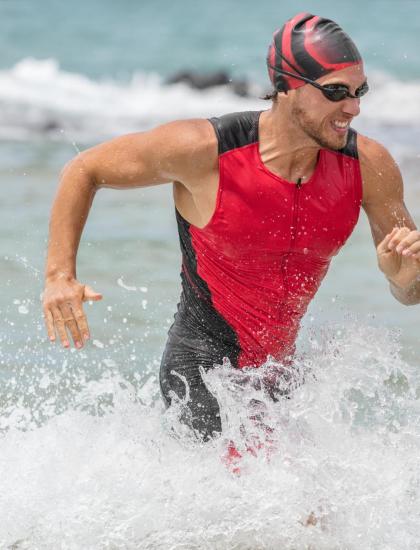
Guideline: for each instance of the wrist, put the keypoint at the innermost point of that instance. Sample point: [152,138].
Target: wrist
[395,283]
[405,282]
[55,274]
[407,295]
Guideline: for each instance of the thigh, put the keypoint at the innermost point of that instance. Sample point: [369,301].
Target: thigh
[180,376]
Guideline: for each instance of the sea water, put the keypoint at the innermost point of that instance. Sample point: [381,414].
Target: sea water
[89,458]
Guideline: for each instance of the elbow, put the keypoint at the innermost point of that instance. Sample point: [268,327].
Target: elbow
[79,169]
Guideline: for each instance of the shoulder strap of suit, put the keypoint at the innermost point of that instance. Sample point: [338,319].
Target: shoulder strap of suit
[236,129]
[350,149]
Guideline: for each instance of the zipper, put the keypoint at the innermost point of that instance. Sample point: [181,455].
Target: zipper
[298,186]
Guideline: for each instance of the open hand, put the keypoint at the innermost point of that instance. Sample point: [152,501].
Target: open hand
[63,310]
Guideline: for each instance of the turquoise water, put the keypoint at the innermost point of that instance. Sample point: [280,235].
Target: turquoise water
[115,39]
[87,460]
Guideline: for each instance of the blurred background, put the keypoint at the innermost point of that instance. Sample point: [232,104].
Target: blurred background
[73,74]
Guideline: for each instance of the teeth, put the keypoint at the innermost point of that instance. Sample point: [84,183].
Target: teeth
[341,124]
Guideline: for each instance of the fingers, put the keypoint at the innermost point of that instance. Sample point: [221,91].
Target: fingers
[60,327]
[406,242]
[399,233]
[403,241]
[81,321]
[413,250]
[384,246]
[65,319]
[70,324]
[90,294]
[64,314]
[49,323]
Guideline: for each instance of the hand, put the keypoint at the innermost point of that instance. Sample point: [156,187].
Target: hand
[399,256]
[63,309]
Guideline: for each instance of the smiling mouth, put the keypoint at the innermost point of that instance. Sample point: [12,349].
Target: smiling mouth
[340,126]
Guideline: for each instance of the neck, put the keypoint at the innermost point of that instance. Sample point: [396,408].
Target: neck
[284,146]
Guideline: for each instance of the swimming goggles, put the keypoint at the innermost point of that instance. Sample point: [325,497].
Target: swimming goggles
[333,92]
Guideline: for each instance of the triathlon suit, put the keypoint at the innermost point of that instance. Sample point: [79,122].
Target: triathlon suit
[250,273]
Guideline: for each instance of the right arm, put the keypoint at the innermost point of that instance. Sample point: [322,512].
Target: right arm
[180,151]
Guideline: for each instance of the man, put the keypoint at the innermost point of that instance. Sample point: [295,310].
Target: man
[263,201]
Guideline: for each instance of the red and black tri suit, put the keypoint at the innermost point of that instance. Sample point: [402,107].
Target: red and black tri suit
[250,273]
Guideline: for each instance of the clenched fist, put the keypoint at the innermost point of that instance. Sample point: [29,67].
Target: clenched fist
[399,256]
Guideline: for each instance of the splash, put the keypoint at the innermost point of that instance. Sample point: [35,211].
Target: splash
[111,468]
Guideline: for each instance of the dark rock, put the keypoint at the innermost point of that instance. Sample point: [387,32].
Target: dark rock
[240,87]
[200,81]
[50,126]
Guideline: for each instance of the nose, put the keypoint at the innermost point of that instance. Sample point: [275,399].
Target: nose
[351,106]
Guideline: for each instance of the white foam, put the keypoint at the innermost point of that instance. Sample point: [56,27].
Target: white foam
[36,96]
[107,473]
[391,101]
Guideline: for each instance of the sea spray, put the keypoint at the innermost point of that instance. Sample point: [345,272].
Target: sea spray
[110,470]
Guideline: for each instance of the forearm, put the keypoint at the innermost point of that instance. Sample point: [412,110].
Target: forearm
[407,296]
[68,216]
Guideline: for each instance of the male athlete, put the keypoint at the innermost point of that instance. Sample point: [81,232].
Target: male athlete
[263,201]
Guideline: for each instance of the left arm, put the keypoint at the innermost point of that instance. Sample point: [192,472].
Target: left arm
[394,232]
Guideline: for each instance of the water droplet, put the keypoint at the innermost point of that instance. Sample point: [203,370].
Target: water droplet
[123,285]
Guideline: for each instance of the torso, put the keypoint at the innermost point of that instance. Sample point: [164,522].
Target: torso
[259,253]
[196,200]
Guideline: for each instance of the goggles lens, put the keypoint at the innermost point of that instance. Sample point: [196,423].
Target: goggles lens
[338,92]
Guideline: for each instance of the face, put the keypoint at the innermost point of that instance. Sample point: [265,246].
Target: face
[324,121]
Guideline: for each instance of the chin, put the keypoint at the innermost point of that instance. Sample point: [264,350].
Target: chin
[336,143]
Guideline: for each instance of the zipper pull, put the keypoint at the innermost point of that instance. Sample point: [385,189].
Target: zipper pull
[299,183]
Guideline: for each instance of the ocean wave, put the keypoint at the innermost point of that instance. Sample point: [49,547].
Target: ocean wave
[37,97]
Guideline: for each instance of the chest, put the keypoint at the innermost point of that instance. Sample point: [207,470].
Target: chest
[259,213]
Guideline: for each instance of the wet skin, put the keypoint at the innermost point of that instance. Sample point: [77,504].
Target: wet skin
[185,152]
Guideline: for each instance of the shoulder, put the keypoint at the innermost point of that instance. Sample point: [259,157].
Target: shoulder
[372,153]
[187,148]
[208,137]
[375,160]
[189,136]
[235,130]
[380,173]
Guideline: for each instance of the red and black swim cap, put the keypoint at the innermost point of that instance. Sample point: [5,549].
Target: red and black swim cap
[310,46]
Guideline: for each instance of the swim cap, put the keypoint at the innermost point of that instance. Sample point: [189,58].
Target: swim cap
[311,46]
